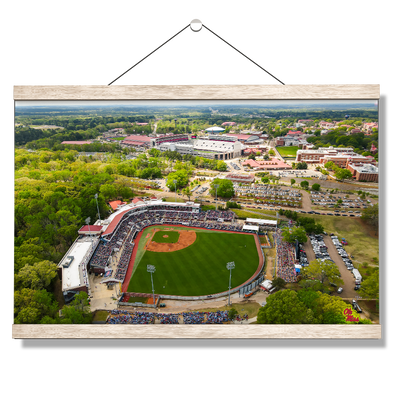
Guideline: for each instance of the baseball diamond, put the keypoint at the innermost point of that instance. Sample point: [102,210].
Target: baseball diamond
[197,269]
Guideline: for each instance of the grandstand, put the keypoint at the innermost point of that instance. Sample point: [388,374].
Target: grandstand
[107,251]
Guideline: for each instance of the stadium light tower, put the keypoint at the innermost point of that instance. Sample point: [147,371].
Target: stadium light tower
[151,269]
[216,195]
[98,212]
[87,220]
[175,181]
[230,266]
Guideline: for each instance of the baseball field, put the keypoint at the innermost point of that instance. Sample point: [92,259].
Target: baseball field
[192,262]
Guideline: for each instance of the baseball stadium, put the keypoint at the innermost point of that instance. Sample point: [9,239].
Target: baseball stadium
[187,249]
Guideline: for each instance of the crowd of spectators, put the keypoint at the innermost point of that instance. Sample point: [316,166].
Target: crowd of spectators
[285,258]
[214,215]
[126,317]
[136,220]
[191,318]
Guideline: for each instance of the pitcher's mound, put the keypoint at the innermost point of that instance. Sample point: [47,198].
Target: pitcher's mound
[186,238]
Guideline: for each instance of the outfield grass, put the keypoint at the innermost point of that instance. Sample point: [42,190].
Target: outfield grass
[199,269]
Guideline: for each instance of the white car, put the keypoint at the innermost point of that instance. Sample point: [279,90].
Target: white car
[340,290]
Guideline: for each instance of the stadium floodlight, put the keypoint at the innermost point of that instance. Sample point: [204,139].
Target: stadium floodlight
[175,181]
[87,220]
[98,212]
[216,195]
[152,269]
[230,266]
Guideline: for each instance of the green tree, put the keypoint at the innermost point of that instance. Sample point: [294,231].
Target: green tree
[371,215]
[325,272]
[279,283]
[186,191]
[78,312]
[225,188]
[266,157]
[284,307]
[342,173]
[332,309]
[221,166]
[370,286]
[232,313]
[108,191]
[37,276]
[292,182]
[296,233]
[316,187]
[180,176]
[304,184]
[30,306]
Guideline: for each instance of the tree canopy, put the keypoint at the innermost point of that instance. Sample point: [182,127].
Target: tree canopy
[225,188]
[306,306]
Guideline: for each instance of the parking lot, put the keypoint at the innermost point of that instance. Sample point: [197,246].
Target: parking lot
[346,275]
[322,247]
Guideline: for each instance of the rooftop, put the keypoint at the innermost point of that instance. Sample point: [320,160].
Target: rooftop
[90,228]
[365,168]
[73,276]
[137,138]
[76,142]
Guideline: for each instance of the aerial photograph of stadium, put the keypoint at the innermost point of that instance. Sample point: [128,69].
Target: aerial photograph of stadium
[196,212]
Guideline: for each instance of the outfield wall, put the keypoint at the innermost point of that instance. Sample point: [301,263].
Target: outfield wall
[207,297]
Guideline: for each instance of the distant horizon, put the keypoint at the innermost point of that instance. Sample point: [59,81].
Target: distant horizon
[198,103]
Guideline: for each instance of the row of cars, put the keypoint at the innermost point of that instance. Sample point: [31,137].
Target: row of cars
[347,260]
[319,247]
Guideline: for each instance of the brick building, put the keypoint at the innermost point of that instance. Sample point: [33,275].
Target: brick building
[364,172]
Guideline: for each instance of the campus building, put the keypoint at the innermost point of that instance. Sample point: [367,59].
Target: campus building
[364,172]
[270,165]
[137,141]
[240,178]
[313,156]
[214,146]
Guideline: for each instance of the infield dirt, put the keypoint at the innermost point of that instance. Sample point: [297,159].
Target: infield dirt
[186,238]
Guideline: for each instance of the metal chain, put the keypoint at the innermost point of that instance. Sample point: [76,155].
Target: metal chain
[177,33]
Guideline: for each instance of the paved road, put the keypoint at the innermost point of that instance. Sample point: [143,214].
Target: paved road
[346,275]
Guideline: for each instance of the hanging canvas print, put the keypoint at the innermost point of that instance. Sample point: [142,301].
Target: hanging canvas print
[197,212]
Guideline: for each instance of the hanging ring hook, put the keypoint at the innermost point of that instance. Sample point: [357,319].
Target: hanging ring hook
[196,25]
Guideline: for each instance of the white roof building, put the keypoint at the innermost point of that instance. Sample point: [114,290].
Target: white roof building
[269,222]
[215,129]
[73,265]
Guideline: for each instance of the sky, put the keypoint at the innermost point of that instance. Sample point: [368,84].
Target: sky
[174,103]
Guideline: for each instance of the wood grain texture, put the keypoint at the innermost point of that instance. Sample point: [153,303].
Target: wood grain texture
[196,331]
[199,92]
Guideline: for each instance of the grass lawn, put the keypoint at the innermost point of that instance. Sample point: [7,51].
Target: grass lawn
[288,151]
[172,237]
[250,308]
[172,199]
[100,316]
[137,300]
[243,214]
[362,242]
[199,269]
